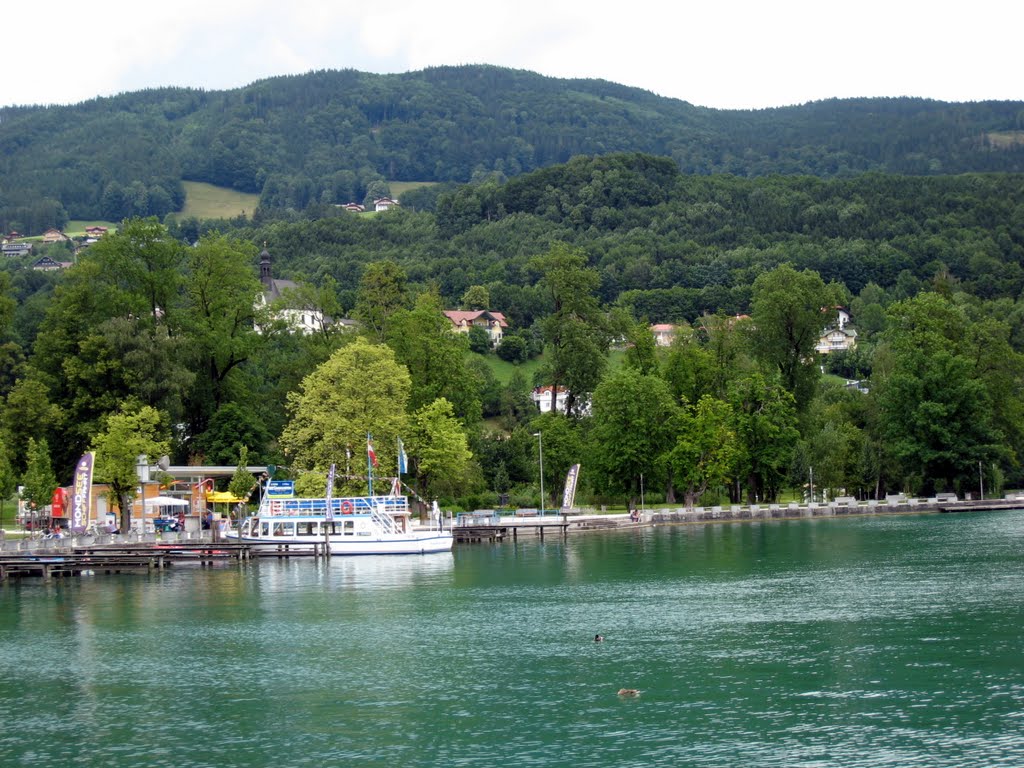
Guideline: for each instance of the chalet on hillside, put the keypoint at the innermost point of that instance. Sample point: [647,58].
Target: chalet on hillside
[384,204]
[46,264]
[14,250]
[54,236]
[492,322]
[836,340]
[353,207]
[839,335]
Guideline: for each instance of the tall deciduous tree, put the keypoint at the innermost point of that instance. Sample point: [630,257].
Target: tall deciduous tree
[381,293]
[361,389]
[8,480]
[642,352]
[789,311]
[437,448]
[222,290]
[435,357]
[766,433]
[28,413]
[705,449]
[937,413]
[39,480]
[128,434]
[632,429]
[111,332]
[576,332]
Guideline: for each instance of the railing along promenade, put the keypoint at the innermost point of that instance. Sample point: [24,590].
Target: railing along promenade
[75,555]
[492,525]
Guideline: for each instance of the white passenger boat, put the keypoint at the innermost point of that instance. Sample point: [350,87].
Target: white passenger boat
[358,525]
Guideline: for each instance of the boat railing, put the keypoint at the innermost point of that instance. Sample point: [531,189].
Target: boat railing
[384,521]
[382,507]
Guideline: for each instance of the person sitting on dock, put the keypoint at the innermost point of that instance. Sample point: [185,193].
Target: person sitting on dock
[634,515]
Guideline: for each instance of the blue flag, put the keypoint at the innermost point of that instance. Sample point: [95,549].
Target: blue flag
[403,461]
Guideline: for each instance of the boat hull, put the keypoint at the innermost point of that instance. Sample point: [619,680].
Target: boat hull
[349,545]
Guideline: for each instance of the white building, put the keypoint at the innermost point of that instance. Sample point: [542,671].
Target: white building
[297,318]
[542,397]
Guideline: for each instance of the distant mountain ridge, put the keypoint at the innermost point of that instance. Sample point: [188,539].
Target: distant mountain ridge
[336,136]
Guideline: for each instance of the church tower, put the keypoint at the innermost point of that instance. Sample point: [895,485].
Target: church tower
[265,278]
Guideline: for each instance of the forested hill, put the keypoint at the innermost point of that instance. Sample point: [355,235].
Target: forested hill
[335,136]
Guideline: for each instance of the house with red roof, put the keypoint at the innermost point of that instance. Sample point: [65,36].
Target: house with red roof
[492,322]
[664,334]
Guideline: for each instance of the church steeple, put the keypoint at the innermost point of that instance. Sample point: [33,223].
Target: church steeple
[265,278]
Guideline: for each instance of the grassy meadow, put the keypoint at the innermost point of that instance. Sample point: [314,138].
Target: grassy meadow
[503,370]
[399,188]
[206,201]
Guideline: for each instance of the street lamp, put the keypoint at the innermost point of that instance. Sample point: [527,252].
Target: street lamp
[540,450]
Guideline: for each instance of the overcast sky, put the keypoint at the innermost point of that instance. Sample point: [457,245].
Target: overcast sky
[716,53]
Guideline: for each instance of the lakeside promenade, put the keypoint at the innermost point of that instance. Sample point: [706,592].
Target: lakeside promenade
[490,525]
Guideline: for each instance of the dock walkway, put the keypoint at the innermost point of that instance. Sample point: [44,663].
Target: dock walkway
[76,556]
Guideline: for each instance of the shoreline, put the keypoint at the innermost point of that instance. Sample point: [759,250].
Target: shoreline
[737,513]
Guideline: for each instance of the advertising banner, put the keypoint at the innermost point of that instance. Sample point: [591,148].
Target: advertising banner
[81,493]
[569,497]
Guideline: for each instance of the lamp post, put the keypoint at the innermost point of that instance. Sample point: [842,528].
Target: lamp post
[142,472]
[540,452]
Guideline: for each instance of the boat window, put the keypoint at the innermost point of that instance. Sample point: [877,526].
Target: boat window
[349,527]
[265,528]
[284,529]
[308,528]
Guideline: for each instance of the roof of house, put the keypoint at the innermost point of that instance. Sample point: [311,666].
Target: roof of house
[848,332]
[48,263]
[546,390]
[458,316]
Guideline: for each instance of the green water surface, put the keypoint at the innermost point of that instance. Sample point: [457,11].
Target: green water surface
[883,641]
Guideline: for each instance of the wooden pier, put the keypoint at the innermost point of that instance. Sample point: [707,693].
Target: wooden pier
[500,530]
[74,559]
[127,558]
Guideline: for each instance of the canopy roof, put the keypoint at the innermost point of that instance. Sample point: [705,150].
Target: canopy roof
[222,497]
[166,501]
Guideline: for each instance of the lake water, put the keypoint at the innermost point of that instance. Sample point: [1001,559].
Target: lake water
[883,641]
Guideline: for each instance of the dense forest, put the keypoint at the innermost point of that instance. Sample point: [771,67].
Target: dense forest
[581,257]
[337,136]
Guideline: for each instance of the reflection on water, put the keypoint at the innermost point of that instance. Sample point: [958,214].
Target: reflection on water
[868,642]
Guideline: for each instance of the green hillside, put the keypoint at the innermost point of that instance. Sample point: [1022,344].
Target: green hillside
[334,136]
[206,201]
